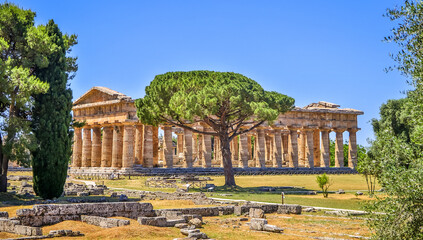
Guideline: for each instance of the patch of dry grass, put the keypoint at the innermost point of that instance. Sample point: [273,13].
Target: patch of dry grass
[164,204]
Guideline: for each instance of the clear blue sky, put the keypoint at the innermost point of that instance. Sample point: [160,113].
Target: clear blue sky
[310,50]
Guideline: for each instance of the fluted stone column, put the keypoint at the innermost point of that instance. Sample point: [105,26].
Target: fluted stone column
[168,146]
[155,146]
[194,148]
[352,148]
[325,149]
[188,148]
[285,152]
[148,146]
[267,147]
[243,151]
[106,147]
[86,147]
[250,149]
[316,142]
[139,140]
[207,150]
[261,142]
[96,147]
[200,150]
[77,148]
[310,148]
[277,158]
[301,148]
[117,147]
[293,148]
[235,148]
[128,146]
[180,144]
[339,148]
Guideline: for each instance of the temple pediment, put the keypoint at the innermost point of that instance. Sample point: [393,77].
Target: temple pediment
[100,95]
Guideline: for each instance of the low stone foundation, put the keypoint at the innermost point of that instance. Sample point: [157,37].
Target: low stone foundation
[13,226]
[48,214]
[197,198]
[104,222]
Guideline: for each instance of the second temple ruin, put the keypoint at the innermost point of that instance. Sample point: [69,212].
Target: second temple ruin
[114,139]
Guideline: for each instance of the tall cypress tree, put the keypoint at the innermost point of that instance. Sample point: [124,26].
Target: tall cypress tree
[52,118]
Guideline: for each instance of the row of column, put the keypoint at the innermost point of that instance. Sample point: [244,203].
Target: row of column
[123,145]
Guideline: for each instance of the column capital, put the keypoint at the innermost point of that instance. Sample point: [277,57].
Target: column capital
[294,127]
[339,130]
[325,129]
[353,130]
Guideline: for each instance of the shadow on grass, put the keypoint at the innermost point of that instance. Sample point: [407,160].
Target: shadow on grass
[257,190]
[9,199]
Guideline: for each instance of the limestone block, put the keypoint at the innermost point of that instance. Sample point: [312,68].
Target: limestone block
[181,225]
[28,231]
[174,222]
[256,213]
[4,215]
[153,221]
[104,222]
[289,209]
[272,228]
[187,231]
[7,225]
[196,222]
[171,214]
[197,235]
[257,224]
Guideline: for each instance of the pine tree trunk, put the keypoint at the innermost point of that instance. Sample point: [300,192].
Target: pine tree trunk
[227,161]
[4,163]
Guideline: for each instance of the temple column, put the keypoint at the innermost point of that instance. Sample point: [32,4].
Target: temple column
[200,150]
[309,148]
[139,139]
[316,148]
[194,148]
[86,147]
[277,146]
[117,147]
[293,147]
[96,147]
[188,148]
[148,146]
[106,147]
[128,146]
[235,149]
[301,148]
[243,151]
[77,148]
[207,150]
[249,147]
[352,148]
[180,144]
[261,145]
[155,146]
[339,148]
[267,147]
[325,149]
[285,152]
[168,146]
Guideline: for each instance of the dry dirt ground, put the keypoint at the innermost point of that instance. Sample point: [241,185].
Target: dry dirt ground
[305,226]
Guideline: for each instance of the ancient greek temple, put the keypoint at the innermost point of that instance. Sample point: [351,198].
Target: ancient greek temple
[114,139]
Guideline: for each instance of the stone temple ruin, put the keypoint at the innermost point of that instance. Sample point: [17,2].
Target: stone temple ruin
[114,140]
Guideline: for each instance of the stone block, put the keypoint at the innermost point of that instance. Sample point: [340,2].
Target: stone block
[256,213]
[181,225]
[195,222]
[257,224]
[4,215]
[28,231]
[289,209]
[153,221]
[171,214]
[187,231]
[82,194]
[272,228]
[174,222]
[197,235]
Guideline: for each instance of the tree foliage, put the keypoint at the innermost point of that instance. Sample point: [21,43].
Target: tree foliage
[23,47]
[324,183]
[52,118]
[399,133]
[229,103]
